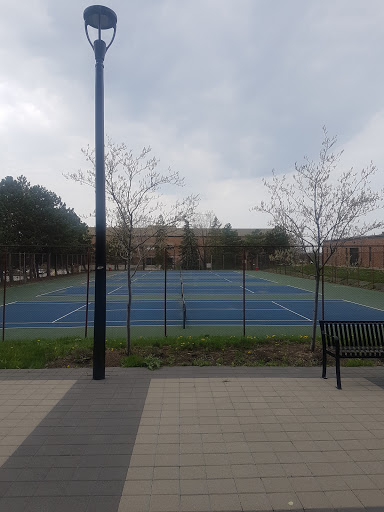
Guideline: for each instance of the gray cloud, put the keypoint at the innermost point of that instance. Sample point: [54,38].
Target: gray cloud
[223,91]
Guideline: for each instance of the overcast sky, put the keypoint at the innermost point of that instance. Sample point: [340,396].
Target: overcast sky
[222,90]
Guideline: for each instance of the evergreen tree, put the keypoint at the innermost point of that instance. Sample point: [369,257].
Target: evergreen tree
[160,242]
[35,216]
[189,249]
[254,244]
[214,240]
[276,238]
[231,250]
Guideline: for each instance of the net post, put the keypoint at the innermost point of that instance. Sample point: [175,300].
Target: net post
[165,292]
[244,292]
[87,299]
[4,293]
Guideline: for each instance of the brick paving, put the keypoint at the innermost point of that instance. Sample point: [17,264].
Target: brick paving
[191,439]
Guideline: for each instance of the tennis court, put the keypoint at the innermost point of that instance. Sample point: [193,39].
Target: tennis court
[197,298]
[198,312]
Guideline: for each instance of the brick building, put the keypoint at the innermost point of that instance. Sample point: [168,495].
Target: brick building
[173,242]
[364,251]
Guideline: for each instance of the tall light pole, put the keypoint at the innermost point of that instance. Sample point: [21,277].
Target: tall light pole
[100,18]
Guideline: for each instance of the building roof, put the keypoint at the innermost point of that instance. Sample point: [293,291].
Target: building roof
[179,231]
[360,238]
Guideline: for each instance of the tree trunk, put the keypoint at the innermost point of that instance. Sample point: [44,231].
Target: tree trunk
[315,309]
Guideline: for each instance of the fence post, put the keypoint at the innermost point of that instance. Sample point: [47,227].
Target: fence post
[10,268]
[165,292]
[86,306]
[4,293]
[244,292]
[25,277]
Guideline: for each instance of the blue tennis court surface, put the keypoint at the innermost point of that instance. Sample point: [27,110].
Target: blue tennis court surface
[199,312]
[194,282]
[212,298]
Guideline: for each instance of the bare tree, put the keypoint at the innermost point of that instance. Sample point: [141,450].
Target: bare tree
[322,204]
[205,226]
[133,187]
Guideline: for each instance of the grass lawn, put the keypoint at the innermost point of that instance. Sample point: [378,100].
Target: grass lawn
[75,352]
[354,276]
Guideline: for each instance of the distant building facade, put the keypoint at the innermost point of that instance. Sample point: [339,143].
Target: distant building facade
[365,251]
[173,242]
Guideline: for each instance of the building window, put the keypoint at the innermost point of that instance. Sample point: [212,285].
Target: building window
[354,256]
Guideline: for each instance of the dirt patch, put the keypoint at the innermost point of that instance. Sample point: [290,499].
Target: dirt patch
[271,354]
[84,359]
[276,353]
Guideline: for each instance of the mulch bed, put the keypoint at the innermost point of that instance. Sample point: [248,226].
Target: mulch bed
[275,353]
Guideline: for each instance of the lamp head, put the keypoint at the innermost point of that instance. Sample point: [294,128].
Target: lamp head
[100,18]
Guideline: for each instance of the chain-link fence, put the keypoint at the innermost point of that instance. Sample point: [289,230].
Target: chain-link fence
[21,267]
[220,289]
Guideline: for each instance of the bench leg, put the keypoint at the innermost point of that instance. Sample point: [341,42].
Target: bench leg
[338,378]
[324,375]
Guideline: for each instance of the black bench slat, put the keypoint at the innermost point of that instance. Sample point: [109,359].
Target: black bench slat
[379,332]
[351,339]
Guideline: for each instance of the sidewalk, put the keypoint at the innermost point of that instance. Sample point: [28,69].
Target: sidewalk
[192,439]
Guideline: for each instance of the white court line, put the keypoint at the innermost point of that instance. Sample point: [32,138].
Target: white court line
[230,309]
[294,312]
[90,281]
[115,290]
[251,322]
[9,303]
[53,291]
[358,304]
[150,309]
[229,281]
[70,313]
[33,322]
[276,282]
[262,279]
[255,277]
[298,288]
[221,277]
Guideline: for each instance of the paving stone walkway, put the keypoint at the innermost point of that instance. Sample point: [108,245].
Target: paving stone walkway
[191,439]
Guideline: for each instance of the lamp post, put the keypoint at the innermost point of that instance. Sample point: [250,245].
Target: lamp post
[101,18]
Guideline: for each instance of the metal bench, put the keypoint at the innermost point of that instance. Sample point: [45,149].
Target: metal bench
[351,339]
